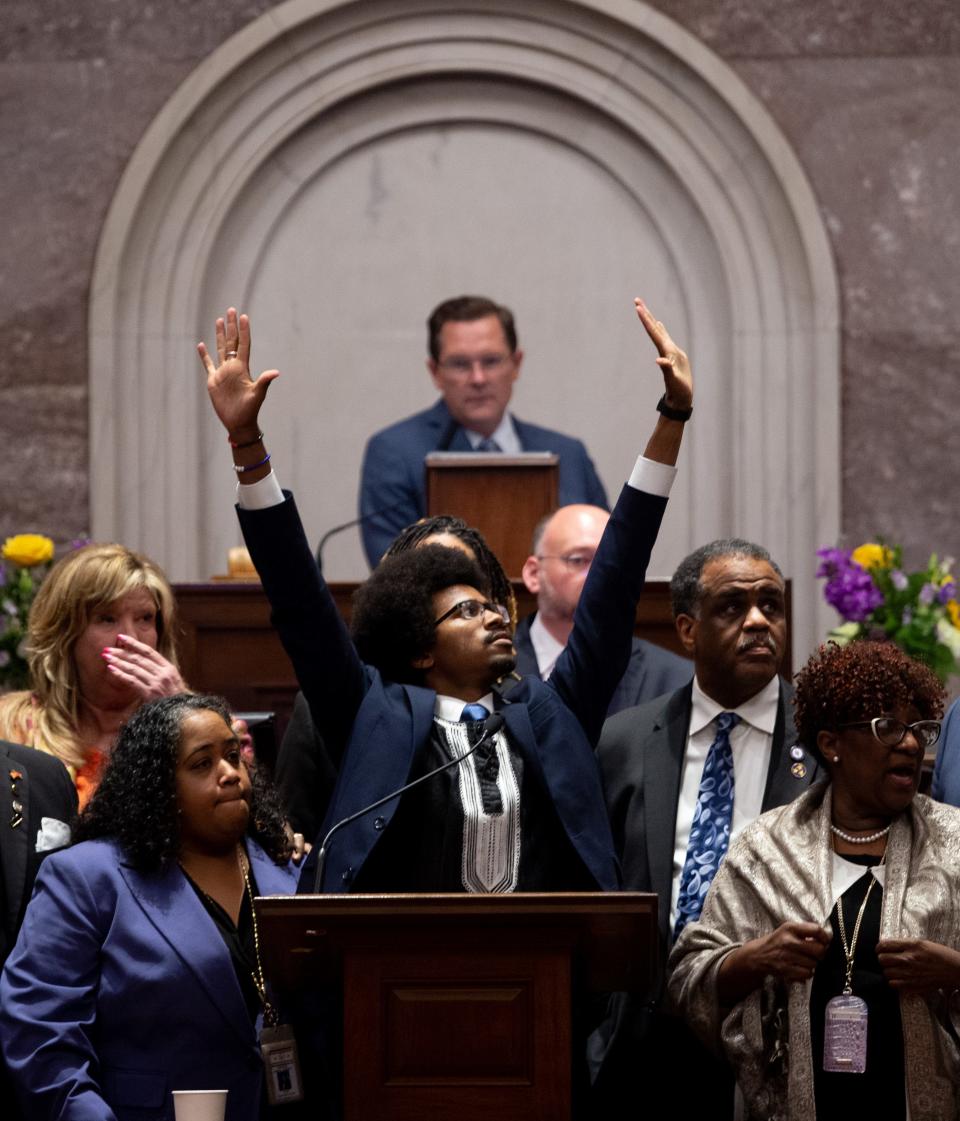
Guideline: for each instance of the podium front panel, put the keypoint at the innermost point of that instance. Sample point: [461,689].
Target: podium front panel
[459,1033]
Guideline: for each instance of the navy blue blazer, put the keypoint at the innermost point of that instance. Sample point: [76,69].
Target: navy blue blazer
[393,479]
[373,729]
[120,989]
[946,773]
[652,671]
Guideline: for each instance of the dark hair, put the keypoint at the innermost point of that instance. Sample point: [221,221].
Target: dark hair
[392,623]
[686,591]
[466,309]
[496,585]
[136,801]
[840,684]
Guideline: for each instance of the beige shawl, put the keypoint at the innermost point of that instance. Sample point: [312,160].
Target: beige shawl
[779,870]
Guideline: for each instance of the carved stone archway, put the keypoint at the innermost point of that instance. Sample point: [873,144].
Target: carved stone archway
[337,168]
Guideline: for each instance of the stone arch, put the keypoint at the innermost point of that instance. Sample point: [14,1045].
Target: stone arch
[337,168]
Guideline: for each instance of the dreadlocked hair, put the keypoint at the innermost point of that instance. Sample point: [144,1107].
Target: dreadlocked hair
[497,584]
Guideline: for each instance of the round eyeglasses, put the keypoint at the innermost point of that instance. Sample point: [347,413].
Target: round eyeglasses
[890,731]
[473,609]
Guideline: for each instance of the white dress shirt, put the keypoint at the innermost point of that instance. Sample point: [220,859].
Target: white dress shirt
[505,436]
[546,649]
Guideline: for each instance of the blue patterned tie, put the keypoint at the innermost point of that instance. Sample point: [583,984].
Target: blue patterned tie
[710,831]
[487,764]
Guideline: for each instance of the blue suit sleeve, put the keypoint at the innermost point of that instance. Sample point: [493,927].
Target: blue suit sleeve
[48,997]
[595,489]
[313,633]
[389,500]
[598,651]
[946,772]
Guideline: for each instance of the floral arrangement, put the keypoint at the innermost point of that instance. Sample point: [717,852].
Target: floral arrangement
[878,599]
[26,560]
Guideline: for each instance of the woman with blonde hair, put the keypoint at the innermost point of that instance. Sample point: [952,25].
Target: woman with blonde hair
[100,642]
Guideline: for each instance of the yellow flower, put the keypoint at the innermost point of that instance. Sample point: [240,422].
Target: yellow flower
[28,549]
[873,556]
[953,610]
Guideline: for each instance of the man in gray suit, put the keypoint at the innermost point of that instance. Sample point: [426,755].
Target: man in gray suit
[564,545]
[730,730]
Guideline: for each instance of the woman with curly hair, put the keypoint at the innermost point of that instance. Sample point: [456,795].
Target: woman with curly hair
[100,642]
[826,961]
[137,971]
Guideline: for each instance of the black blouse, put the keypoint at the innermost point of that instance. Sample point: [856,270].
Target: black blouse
[880,1092]
[238,940]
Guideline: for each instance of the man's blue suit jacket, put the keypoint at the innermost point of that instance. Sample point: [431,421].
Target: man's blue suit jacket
[946,773]
[373,729]
[393,478]
[120,989]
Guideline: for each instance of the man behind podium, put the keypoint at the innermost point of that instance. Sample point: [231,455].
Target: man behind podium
[388,720]
[474,362]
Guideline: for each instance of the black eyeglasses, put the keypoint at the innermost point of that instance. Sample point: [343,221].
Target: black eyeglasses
[473,609]
[890,731]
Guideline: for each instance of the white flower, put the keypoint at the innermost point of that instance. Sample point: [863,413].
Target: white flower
[949,636]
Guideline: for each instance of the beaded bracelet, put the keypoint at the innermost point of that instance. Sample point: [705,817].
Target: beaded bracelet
[253,466]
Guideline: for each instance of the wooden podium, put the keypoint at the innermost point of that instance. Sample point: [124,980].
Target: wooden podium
[504,496]
[459,1006]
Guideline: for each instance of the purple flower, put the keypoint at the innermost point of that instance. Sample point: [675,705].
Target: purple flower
[907,617]
[947,591]
[3,575]
[849,587]
[831,560]
[928,593]
[898,579]
[80,542]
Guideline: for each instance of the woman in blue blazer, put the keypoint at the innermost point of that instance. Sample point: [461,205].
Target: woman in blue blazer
[136,971]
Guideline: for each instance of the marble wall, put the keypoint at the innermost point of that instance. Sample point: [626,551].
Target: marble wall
[866,92]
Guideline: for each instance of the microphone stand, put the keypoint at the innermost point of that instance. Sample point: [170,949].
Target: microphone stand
[492,725]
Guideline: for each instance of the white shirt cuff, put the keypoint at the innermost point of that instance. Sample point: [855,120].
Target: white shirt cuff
[260,495]
[650,476]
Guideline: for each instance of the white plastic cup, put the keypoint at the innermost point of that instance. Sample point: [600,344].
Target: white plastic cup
[199,1105]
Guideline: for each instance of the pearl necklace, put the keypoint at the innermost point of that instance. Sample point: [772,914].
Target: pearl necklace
[859,840]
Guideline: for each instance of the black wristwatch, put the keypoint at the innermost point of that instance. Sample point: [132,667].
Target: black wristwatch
[671,413]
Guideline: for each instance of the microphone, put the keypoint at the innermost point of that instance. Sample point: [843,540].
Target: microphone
[350,524]
[492,725]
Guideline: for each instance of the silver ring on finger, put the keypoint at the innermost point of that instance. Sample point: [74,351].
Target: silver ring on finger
[230,354]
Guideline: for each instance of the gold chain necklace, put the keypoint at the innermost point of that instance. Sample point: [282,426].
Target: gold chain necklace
[270,1017]
[850,950]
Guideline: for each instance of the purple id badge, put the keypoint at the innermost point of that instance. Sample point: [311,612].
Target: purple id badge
[845,1035]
